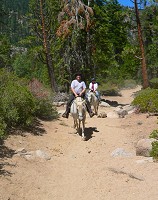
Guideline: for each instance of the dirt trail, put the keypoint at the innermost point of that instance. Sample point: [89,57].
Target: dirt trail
[83,170]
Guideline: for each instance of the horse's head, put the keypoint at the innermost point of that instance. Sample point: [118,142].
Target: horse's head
[81,107]
[89,96]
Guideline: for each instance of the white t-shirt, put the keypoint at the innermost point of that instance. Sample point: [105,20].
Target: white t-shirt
[78,86]
[95,86]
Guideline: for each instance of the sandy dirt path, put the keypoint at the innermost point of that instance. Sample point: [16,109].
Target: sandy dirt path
[83,170]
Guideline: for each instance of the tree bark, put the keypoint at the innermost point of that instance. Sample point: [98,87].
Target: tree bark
[46,46]
[141,44]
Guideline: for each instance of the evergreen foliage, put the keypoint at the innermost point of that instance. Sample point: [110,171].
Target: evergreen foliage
[147,100]
[154,134]
[18,106]
[106,48]
[154,151]
[154,83]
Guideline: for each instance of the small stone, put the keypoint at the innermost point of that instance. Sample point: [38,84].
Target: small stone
[120,152]
[42,154]
[20,150]
[146,160]
[140,123]
[29,157]
[102,115]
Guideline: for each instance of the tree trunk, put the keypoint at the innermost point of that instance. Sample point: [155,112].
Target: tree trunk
[140,38]
[46,46]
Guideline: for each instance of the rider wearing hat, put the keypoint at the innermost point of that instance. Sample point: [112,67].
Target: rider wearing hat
[93,86]
[78,88]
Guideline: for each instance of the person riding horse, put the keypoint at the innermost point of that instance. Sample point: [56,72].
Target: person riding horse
[78,88]
[93,86]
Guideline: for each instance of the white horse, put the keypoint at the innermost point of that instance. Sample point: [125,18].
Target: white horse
[93,101]
[78,112]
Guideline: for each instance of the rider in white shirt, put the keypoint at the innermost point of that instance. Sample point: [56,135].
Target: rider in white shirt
[78,88]
[93,86]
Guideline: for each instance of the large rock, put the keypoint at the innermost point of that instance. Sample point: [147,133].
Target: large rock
[104,104]
[144,146]
[128,108]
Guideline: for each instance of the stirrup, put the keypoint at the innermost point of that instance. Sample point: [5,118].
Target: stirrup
[65,115]
[91,114]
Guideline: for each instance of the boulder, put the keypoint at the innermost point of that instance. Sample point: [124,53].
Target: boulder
[129,108]
[144,146]
[104,104]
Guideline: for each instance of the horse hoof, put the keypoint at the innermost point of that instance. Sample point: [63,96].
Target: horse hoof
[83,138]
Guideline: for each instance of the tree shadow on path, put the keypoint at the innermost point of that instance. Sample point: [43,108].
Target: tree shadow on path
[5,153]
[35,129]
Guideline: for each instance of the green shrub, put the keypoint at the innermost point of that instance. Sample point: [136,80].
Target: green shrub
[154,151]
[147,100]
[2,127]
[17,104]
[154,83]
[154,134]
[45,110]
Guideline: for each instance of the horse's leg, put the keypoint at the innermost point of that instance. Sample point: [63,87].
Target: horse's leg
[77,126]
[74,123]
[83,128]
[96,108]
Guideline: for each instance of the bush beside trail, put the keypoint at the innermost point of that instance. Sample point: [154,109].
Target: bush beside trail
[154,83]
[147,100]
[19,107]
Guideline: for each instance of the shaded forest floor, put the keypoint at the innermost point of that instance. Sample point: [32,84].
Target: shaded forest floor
[84,170]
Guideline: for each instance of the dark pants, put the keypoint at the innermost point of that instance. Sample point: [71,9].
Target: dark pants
[72,97]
